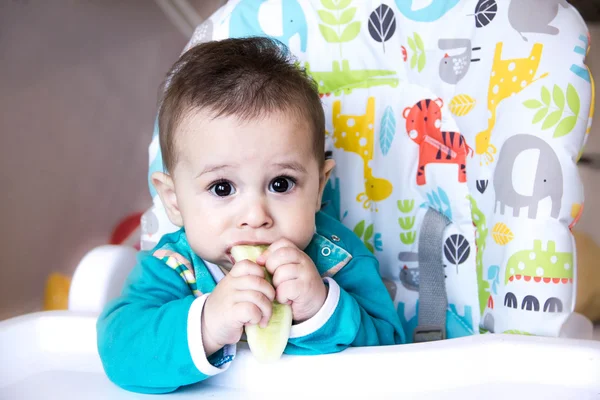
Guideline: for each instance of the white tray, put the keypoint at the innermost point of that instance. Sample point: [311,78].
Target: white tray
[52,355]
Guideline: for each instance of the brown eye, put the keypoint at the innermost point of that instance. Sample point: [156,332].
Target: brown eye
[222,189]
[281,184]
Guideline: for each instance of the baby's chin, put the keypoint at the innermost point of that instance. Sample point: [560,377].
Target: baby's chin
[224,263]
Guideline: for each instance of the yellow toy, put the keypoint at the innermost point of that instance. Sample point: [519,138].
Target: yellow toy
[56,294]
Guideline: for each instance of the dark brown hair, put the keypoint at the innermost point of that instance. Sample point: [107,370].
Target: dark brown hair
[248,78]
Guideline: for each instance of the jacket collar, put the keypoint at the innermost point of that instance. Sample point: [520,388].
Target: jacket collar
[329,258]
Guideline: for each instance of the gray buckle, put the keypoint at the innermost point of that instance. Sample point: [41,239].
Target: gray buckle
[428,333]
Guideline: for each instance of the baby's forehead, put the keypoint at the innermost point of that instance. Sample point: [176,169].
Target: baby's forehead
[205,138]
[203,124]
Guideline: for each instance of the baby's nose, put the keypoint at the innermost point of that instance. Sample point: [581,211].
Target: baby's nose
[256,215]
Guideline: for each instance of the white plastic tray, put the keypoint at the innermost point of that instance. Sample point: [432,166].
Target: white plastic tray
[52,355]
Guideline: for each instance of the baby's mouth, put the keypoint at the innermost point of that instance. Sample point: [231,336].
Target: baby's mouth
[244,243]
[230,257]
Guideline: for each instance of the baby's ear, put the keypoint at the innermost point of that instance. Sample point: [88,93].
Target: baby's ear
[325,174]
[166,191]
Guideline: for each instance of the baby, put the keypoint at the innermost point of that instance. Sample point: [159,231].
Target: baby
[242,141]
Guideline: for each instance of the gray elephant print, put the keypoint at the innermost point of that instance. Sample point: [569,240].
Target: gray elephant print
[534,16]
[548,181]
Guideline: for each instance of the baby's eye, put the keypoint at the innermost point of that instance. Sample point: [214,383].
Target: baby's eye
[281,184]
[222,189]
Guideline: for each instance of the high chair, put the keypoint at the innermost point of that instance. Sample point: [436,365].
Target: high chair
[477,110]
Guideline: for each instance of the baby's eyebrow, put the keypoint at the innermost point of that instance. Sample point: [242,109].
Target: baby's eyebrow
[213,168]
[294,166]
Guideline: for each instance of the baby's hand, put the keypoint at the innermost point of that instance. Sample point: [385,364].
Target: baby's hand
[242,297]
[296,279]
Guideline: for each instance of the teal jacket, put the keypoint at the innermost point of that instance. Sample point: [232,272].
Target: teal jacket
[149,338]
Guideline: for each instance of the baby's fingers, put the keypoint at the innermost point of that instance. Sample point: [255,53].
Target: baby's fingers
[281,243]
[245,267]
[285,273]
[289,291]
[254,283]
[259,301]
[283,256]
[246,313]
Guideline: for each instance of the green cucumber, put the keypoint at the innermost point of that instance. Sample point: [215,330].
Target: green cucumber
[266,344]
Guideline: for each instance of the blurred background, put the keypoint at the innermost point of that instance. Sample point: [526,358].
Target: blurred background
[78,95]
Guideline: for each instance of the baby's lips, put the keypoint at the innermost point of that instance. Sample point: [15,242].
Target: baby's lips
[247,251]
[228,253]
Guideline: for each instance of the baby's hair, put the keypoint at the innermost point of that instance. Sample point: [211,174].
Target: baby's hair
[248,78]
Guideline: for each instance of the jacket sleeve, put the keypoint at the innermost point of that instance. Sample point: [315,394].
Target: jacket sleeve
[149,338]
[358,311]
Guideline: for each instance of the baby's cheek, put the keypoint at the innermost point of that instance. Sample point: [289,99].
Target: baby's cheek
[301,228]
[203,239]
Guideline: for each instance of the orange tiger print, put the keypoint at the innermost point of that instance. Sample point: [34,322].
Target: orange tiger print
[423,125]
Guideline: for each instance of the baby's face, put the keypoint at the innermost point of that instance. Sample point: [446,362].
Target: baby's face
[245,182]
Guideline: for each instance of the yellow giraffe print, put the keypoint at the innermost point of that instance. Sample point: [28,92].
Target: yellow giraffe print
[508,78]
[356,134]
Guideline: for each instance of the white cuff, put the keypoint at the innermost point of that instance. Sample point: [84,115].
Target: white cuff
[322,316]
[195,345]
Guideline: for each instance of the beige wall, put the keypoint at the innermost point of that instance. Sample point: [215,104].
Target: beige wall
[78,90]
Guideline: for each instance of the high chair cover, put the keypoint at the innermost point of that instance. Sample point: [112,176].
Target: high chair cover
[456,126]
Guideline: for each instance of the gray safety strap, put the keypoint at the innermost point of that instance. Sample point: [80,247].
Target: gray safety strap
[433,300]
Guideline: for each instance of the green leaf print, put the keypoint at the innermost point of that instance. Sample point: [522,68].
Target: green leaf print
[328,17]
[422,61]
[419,42]
[540,115]
[350,32]
[369,232]
[341,17]
[408,237]
[565,126]
[573,99]
[552,119]
[406,223]
[343,3]
[418,58]
[406,206]
[335,4]
[371,241]
[359,229]
[558,97]
[533,104]
[413,61]
[347,15]
[411,44]
[545,96]
[329,4]
[329,34]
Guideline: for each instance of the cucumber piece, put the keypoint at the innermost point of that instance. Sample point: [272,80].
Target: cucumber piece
[266,344]
[246,252]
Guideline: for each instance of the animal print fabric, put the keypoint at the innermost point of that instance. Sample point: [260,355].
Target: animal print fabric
[476,108]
